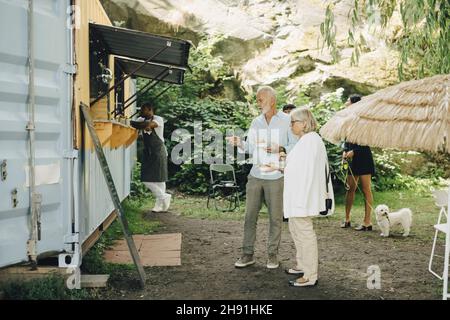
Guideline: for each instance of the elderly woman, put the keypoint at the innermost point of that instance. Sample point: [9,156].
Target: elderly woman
[305,194]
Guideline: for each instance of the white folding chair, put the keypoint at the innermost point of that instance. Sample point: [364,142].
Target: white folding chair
[441,199]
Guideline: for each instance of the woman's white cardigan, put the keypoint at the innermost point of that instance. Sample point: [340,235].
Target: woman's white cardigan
[304,178]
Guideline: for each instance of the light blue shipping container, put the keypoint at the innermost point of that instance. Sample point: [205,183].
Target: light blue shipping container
[75,199]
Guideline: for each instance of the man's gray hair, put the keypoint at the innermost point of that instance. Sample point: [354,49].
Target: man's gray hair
[267,89]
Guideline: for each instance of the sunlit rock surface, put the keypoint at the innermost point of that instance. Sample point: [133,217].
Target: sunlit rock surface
[271,42]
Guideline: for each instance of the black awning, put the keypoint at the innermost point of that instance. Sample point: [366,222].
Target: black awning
[152,70]
[141,45]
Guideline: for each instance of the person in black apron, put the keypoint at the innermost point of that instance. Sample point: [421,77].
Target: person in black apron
[154,158]
[362,168]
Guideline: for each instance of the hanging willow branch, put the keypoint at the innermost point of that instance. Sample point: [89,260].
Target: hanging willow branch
[424,44]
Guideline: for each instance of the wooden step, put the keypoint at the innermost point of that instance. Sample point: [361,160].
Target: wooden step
[94,280]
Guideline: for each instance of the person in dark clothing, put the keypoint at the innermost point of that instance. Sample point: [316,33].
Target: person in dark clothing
[154,158]
[287,108]
[362,168]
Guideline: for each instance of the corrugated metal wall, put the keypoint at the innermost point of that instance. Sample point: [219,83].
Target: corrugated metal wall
[95,199]
[52,125]
[53,130]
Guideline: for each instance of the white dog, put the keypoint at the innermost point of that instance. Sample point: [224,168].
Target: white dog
[386,219]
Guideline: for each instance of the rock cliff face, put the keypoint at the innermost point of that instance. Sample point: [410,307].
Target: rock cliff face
[270,42]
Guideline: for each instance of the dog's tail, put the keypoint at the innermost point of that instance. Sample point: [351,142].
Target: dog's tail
[409,215]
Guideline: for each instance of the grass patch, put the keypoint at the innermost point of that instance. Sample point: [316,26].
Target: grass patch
[52,287]
[421,203]
[195,207]
[425,212]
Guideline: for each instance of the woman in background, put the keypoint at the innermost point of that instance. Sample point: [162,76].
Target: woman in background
[361,168]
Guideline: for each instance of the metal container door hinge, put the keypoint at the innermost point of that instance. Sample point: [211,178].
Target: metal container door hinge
[14,200]
[3,171]
[72,238]
[37,202]
[70,69]
[70,154]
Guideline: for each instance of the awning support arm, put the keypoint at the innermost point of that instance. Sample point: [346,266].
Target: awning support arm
[148,89]
[131,74]
[156,97]
[139,91]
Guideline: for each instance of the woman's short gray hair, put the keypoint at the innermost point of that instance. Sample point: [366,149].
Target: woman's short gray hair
[305,115]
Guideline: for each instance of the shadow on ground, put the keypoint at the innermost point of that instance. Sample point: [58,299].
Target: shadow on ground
[210,248]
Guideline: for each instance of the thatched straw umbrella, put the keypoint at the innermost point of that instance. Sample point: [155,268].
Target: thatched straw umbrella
[412,115]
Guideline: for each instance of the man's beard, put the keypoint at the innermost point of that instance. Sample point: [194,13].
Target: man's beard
[265,110]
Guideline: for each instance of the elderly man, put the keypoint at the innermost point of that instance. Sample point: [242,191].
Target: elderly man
[269,135]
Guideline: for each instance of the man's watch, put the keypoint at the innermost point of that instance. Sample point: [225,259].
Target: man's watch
[282,149]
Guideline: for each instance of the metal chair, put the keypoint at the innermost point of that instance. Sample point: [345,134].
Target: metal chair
[442,200]
[222,178]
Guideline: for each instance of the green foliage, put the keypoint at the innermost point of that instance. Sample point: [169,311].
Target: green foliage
[220,115]
[303,96]
[212,113]
[328,31]
[199,99]
[208,71]
[389,176]
[137,189]
[223,114]
[328,105]
[424,42]
[52,287]
[205,78]
[282,95]
[437,165]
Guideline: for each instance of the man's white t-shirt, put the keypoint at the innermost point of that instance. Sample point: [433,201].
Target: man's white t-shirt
[159,130]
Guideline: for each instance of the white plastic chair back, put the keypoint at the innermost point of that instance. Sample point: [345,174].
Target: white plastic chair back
[441,197]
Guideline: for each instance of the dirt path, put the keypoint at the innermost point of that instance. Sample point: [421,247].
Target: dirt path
[210,248]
